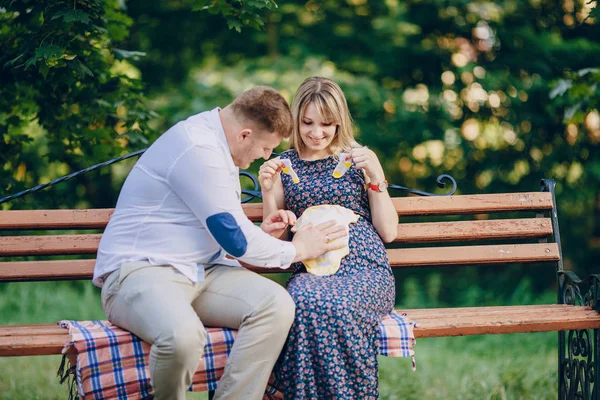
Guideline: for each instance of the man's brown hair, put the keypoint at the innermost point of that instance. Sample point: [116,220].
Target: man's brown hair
[264,107]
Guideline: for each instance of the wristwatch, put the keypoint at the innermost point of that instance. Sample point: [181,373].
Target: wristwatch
[380,186]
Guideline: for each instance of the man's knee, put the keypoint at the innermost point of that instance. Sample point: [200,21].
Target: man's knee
[283,310]
[183,344]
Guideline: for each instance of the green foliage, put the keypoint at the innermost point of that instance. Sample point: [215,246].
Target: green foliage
[64,99]
[236,12]
[71,97]
[595,13]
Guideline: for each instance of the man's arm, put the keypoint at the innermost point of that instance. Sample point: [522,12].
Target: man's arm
[202,179]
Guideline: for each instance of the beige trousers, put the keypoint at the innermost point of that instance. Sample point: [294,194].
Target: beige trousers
[167,310]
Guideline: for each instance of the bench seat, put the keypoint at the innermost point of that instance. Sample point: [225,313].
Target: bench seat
[46,339]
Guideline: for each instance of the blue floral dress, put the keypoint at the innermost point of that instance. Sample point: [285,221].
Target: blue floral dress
[332,348]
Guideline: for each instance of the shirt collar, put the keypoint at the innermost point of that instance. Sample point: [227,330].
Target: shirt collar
[216,122]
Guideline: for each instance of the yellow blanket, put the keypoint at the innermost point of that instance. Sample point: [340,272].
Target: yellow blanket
[328,263]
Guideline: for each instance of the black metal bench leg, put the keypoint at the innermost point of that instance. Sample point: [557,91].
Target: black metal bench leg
[579,350]
[595,372]
[578,365]
[562,379]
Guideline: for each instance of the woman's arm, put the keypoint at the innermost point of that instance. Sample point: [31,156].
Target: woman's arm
[383,211]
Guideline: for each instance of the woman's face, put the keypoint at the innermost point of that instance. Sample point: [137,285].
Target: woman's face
[316,134]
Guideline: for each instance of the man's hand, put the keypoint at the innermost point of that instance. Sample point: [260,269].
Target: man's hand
[313,241]
[277,222]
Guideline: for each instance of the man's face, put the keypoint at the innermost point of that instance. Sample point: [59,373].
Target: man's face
[253,146]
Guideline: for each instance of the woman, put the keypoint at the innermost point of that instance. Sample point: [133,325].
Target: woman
[331,352]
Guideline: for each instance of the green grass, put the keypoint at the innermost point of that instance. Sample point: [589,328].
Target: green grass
[518,366]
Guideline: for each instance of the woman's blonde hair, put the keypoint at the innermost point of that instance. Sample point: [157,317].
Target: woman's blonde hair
[331,105]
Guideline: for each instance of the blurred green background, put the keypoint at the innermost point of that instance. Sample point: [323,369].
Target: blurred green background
[497,94]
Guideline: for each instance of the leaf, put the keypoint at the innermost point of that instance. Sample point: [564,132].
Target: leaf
[48,52]
[121,54]
[257,4]
[103,103]
[83,69]
[237,13]
[200,5]
[570,111]
[99,28]
[44,69]
[560,88]
[584,71]
[235,24]
[73,16]
[31,61]
[595,13]
[137,138]
[13,61]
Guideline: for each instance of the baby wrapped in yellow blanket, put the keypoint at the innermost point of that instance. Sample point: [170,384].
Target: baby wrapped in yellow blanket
[328,263]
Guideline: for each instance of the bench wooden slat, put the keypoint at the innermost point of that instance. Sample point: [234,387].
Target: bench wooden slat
[474,230]
[46,270]
[77,219]
[473,204]
[55,219]
[49,245]
[30,330]
[399,258]
[474,255]
[50,270]
[406,206]
[418,314]
[407,233]
[20,340]
[35,345]
[532,320]
[428,313]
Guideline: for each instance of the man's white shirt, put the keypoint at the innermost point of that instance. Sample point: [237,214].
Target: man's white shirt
[180,206]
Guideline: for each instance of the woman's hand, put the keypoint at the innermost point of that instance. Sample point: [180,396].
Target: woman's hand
[269,173]
[367,160]
[277,222]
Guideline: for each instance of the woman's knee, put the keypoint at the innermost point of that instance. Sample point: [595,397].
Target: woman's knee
[315,308]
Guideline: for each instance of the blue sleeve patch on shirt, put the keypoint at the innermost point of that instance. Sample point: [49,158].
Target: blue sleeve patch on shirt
[227,233]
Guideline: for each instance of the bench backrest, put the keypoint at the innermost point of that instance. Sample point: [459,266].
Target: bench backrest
[60,254]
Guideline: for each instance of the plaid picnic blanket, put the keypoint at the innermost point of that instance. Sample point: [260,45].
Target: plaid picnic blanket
[112,363]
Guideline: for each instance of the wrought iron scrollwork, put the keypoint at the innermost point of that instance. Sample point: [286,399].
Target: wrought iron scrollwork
[71,176]
[440,182]
[247,194]
[250,194]
[579,350]
[254,193]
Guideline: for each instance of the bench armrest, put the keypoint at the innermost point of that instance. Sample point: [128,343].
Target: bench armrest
[576,291]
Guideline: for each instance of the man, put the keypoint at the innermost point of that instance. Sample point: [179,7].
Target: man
[165,262]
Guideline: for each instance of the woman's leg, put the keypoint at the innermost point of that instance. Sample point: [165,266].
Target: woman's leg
[332,347]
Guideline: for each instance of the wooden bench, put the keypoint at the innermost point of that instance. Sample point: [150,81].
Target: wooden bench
[533,237]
